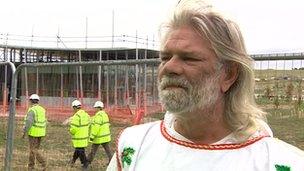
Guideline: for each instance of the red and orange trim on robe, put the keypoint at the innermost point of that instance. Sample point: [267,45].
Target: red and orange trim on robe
[207,146]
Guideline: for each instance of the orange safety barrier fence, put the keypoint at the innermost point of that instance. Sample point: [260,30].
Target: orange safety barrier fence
[124,114]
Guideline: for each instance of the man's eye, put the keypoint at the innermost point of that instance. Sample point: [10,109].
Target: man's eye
[190,59]
[165,58]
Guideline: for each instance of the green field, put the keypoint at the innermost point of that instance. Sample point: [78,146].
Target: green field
[58,151]
[287,128]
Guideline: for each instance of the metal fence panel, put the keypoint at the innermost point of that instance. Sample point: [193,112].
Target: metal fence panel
[116,83]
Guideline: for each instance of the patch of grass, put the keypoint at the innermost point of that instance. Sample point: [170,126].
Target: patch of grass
[58,150]
[288,129]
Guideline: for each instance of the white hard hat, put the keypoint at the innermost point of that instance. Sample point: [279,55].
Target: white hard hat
[76,103]
[34,97]
[98,104]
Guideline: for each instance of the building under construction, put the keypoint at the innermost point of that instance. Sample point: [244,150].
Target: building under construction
[128,90]
[125,89]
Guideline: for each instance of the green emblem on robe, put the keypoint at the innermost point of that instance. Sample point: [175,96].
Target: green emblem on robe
[126,156]
[282,168]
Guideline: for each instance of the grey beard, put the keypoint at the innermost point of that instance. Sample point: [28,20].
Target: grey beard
[188,98]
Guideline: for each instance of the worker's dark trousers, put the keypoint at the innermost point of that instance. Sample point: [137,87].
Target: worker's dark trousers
[34,143]
[94,148]
[80,152]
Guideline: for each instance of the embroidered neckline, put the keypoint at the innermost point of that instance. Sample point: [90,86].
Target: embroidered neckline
[207,146]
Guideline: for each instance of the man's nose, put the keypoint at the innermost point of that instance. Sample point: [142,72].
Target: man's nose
[173,66]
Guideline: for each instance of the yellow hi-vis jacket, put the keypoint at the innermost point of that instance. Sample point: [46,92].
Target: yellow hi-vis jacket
[38,127]
[79,129]
[100,128]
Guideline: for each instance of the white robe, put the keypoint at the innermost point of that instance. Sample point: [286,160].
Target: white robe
[157,146]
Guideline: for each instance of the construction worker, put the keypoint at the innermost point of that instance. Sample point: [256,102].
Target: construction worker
[79,129]
[100,132]
[35,128]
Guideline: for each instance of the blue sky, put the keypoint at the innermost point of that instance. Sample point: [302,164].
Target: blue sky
[267,25]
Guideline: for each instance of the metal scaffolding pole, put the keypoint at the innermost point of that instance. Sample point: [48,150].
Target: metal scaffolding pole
[127,81]
[145,80]
[37,81]
[80,78]
[136,82]
[25,80]
[99,76]
[136,75]
[77,82]
[37,75]
[107,77]
[115,82]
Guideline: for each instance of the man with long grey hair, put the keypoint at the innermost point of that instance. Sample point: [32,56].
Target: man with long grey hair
[206,84]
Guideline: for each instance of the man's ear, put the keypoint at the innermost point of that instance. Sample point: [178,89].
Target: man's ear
[230,74]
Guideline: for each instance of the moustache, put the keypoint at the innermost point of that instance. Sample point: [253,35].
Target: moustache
[168,81]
